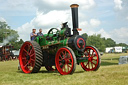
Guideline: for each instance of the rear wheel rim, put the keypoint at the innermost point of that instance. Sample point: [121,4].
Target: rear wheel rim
[64,61]
[27,57]
[93,59]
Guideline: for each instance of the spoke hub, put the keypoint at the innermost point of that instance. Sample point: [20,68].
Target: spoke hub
[28,57]
[63,61]
[90,58]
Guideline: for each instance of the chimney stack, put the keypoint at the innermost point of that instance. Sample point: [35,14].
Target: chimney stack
[74,8]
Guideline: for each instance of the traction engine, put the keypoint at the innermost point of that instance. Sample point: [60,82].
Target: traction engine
[59,50]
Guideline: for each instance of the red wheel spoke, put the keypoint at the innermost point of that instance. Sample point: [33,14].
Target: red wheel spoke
[25,51]
[26,64]
[89,53]
[92,54]
[60,60]
[32,54]
[60,64]
[69,66]
[24,58]
[93,63]
[94,59]
[32,59]
[31,64]
[30,51]
[87,63]
[64,68]
[69,62]
[65,53]
[61,57]
[62,53]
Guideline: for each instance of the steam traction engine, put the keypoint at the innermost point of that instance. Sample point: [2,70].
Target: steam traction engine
[59,50]
[6,52]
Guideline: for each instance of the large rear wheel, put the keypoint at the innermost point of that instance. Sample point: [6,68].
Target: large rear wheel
[30,57]
[65,61]
[93,62]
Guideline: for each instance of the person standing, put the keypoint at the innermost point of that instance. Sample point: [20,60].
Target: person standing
[33,34]
[40,32]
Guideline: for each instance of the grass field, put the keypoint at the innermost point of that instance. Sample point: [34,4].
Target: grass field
[110,73]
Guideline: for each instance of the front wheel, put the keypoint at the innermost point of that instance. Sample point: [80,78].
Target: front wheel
[65,61]
[93,62]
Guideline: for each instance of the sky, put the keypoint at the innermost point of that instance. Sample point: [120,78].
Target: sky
[106,17]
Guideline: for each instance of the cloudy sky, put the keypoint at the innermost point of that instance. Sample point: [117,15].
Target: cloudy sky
[106,17]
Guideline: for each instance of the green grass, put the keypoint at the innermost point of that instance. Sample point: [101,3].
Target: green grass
[110,73]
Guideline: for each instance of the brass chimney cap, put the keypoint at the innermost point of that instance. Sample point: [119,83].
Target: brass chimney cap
[74,6]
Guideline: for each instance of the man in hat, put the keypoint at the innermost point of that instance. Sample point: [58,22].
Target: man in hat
[33,34]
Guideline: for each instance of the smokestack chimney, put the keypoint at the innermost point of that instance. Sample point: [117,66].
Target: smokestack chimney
[74,8]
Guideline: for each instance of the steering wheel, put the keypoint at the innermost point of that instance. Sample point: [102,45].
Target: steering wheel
[51,31]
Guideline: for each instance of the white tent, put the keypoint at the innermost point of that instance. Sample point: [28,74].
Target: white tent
[118,49]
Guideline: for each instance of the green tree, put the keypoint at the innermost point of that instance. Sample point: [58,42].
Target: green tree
[4,25]
[9,36]
[85,35]
[122,44]
[17,45]
[96,41]
[110,43]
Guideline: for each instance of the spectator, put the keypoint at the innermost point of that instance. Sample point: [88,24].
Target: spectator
[40,32]
[33,34]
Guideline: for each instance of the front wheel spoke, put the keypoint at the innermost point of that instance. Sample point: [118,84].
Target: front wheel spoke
[92,54]
[65,53]
[94,59]
[68,55]
[68,58]
[89,53]
[60,64]
[61,57]
[60,60]
[93,63]
[64,68]
[87,63]
[69,61]
[69,66]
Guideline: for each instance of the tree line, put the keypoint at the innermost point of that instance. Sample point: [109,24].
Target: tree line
[101,43]
[9,36]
